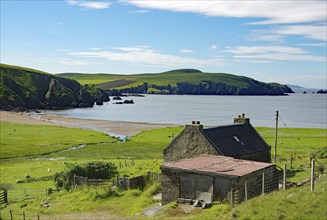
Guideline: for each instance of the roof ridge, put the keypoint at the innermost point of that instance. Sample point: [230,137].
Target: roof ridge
[222,126]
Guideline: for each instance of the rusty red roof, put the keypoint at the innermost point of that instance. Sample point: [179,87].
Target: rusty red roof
[218,164]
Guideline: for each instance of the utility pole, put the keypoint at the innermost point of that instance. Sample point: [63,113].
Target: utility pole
[276,132]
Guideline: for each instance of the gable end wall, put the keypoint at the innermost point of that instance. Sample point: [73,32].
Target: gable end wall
[191,142]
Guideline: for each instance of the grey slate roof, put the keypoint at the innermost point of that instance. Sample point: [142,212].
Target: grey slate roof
[235,139]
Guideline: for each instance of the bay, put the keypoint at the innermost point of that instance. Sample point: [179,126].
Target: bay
[295,110]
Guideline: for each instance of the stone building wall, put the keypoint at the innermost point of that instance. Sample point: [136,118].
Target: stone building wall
[170,186]
[191,142]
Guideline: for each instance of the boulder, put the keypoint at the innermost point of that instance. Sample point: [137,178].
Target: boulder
[129,101]
[117,98]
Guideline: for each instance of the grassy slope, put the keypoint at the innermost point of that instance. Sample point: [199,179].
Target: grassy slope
[26,140]
[24,76]
[25,87]
[147,147]
[91,78]
[161,79]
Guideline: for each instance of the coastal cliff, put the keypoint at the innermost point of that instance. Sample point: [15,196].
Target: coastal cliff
[23,88]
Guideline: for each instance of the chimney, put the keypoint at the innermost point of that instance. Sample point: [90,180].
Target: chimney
[242,119]
[195,125]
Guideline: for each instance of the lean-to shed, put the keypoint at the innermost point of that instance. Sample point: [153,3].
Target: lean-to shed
[211,178]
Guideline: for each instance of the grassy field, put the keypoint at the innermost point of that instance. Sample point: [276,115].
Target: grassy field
[19,140]
[161,79]
[31,142]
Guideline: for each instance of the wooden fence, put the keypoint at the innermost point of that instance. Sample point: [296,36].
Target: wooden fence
[4,197]
[11,215]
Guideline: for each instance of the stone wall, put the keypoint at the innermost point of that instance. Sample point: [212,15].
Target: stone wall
[170,186]
[191,142]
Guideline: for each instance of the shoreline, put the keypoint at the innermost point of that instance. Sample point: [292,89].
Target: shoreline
[113,128]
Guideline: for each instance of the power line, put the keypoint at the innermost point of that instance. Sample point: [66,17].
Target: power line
[282,121]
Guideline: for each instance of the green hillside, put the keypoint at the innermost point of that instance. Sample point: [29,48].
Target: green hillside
[26,88]
[183,81]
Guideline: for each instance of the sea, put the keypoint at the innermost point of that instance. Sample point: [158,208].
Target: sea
[296,110]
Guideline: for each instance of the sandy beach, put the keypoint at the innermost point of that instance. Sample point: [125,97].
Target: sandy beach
[115,127]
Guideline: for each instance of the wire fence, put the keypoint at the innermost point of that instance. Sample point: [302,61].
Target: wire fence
[17,195]
[269,182]
[18,214]
[262,184]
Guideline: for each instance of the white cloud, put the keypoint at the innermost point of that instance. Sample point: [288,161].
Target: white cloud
[213,47]
[95,48]
[316,32]
[186,51]
[252,61]
[314,44]
[272,53]
[139,11]
[265,49]
[143,55]
[63,50]
[66,61]
[90,4]
[273,12]
[283,57]
[264,35]
[277,33]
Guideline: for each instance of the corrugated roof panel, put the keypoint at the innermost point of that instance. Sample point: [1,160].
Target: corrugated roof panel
[218,164]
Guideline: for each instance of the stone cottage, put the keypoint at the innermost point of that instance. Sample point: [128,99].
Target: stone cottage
[239,140]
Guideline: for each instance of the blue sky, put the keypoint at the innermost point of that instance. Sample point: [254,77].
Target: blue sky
[271,41]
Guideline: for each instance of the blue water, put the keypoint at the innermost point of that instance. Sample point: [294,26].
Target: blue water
[295,110]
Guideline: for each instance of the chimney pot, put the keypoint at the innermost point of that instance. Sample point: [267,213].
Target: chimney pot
[242,119]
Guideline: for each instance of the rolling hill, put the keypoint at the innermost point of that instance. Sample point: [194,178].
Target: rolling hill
[182,81]
[25,88]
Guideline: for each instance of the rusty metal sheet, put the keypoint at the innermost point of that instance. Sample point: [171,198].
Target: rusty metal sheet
[218,164]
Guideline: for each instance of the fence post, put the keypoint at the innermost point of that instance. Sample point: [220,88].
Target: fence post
[232,197]
[10,214]
[284,177]
[263,182]
[246,191]
[23,215]
[312,174]
[49,191]
[38,217]
[5,196]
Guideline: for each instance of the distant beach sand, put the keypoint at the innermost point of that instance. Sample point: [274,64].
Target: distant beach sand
[117,127]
